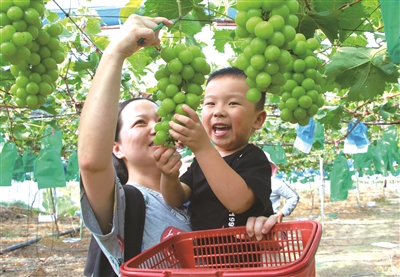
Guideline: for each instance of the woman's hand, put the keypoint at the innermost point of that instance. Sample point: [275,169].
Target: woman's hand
[259,226]
[134,28]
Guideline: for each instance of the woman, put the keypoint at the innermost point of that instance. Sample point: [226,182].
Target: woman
[128,134]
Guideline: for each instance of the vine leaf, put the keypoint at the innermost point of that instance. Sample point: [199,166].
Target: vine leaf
[327,21]
[332,118]
[131,7]
[364,71]
[221,38]
[169,8]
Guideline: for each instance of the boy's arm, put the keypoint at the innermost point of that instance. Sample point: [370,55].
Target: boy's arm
[174,192]
[226,183]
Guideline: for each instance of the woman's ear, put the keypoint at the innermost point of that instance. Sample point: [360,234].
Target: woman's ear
[260,119]
[117,151]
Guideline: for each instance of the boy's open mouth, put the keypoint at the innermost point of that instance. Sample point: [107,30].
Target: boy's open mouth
[220,129]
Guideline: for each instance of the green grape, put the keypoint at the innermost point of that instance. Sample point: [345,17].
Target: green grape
[187,72]
[241,32]
[6,33]
[263,80]
[198,64]
[252,72]
[55,29]
[277,22]
[304,121]
[171,90]
[291,103]
[32,88]
[31,101]
[241,18]
[253,95]
[305,101]
[19,25]
[286,115]
[258,62]
[160,138]
[258,46]
[31,15]
[242,62]
[179,97]
[312,110]
[272,53]
[44,88]
[39,7]
[4,20]
[186,57]
[175,66]
[277,39]
[179,110]
[175,78]
[192,100]
[254,12]
[15,13]
[281,10]
[168,105]
[298,92]
[251,23]
[300,113]
[264,30]
[53,43]
[8,49]
[194,89]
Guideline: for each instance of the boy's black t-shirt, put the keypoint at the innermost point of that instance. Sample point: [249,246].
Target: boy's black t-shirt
[207,212]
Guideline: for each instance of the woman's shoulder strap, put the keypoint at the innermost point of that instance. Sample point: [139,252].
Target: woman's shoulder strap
[134,221]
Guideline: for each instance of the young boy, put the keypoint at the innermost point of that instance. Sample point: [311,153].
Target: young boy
[230,178]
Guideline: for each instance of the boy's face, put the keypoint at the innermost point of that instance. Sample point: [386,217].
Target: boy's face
[228,117]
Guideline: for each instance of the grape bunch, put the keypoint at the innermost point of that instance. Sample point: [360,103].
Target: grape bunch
[302,93]
[32,50]
[179,81]
[270,48]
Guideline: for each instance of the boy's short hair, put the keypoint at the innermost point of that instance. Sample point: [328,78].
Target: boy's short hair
[238,73]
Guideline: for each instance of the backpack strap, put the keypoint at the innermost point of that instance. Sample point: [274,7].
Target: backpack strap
[97,263]
[134,222]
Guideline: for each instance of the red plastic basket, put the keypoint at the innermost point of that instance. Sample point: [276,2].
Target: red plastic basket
[287,250]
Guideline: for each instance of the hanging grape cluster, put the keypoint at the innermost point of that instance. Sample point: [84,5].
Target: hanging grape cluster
[179,82]
[278,60]
[32,50]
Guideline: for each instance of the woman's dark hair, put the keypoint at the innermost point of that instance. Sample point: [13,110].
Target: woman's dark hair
[238,73]
[119,165]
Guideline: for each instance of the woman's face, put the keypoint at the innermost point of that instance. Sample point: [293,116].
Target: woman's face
[137,133]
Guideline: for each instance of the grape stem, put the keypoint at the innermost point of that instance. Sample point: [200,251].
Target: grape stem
[180,19]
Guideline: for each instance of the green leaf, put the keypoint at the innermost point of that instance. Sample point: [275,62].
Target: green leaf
[364,71]
[351,20]
[50,16]
[6,75]
[169,8]
[222,37]
[332,118]
[130,8]
[101,41]
[140,60]
[327,21]
[92,26]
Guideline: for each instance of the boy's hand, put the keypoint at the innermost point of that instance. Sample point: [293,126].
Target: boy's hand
[191,131]
[168,161]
